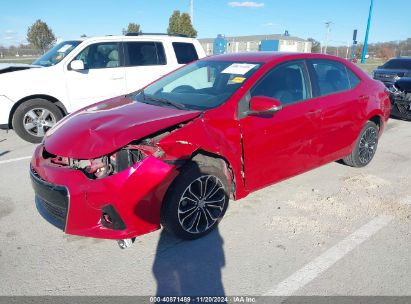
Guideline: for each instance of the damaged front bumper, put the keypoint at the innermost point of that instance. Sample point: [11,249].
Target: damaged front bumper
[119,206]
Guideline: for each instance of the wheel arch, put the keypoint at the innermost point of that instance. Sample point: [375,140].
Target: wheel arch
[378,119]
[52,99]
[206,157]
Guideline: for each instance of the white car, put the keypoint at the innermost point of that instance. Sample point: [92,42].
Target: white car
[77,73]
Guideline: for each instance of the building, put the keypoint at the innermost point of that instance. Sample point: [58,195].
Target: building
[254,43]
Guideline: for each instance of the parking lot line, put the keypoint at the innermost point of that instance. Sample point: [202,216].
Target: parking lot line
[14,160]
[313,269]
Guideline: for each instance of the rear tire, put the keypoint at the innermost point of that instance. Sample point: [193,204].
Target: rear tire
[195,202]
[365,147]
[33,118]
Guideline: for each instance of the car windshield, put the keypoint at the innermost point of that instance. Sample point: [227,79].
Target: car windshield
[399,64]
[202,85]
[57,53]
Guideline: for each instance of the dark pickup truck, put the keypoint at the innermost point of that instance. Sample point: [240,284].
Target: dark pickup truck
[393,70]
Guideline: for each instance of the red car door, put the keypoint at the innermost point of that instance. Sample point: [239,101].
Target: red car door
[279,146]
[334,86]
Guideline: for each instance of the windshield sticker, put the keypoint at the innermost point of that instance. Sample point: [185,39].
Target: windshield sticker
[238,68]
[64,48]
[238,79]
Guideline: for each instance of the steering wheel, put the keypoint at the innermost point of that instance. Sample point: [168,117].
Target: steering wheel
[183,89]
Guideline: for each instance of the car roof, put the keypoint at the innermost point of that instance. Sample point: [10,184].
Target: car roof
[401,58]
[164,37]
[266,57]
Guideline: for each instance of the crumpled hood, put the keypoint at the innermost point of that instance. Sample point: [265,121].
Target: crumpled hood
[12,67]
[10,75]
[107,126]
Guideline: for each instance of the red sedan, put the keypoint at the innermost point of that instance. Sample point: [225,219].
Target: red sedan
[173,154]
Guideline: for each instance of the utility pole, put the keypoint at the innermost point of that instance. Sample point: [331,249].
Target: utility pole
[327,35]
[364,50]
[192,12]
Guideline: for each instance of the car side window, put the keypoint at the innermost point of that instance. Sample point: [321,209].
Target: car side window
[354,80]
[287,83]
[185,52]
[100,55]
[331,77]
[142,53]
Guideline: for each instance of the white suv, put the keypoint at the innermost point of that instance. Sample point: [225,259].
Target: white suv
[74,74]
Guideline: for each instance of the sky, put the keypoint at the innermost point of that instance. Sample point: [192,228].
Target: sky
[302,18]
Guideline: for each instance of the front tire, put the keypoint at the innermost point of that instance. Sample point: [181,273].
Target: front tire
[403,111]
[365,147]
[34,118]
[196,201]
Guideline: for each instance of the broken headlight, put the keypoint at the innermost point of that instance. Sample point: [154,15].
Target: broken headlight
[111,164]
[93,168]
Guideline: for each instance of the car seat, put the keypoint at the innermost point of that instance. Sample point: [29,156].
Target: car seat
[148,55]
[113,59]
[292,89]
[335,80]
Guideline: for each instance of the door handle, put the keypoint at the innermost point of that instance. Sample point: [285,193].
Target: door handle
[364,98]
[116,77]
[313,113]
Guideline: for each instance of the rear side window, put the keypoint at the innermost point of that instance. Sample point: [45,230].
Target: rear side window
[185,52]
[354,80]
[331,77]
[144,53]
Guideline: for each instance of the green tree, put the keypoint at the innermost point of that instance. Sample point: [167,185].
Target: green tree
[315,45]
[180,24]
[186,26]
[40,35]
[174,24]
[132,28]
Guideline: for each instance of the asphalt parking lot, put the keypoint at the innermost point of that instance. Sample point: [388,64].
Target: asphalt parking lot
[335,230]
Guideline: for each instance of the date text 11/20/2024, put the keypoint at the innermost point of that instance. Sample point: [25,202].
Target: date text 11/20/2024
[198,299]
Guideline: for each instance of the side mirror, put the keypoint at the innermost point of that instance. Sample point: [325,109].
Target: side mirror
[262,105]
[77,65]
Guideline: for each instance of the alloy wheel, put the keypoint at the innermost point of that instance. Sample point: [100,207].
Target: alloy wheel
[38,121]
[201,204]
[368,145]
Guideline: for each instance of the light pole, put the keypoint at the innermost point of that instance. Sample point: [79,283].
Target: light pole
[364,50]
[192,12]
[327,33]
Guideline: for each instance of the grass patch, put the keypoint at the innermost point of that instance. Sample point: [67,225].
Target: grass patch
[370,65]
[27,60]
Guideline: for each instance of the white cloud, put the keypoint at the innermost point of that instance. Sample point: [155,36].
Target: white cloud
[245,4]
[11,37]
[270,24]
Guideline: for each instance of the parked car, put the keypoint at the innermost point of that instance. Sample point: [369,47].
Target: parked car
[225,126]
[77,73]
[401,98]
[393,70]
